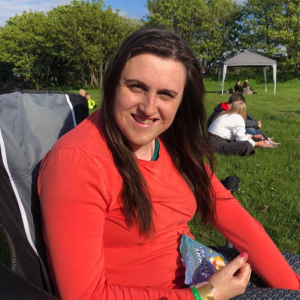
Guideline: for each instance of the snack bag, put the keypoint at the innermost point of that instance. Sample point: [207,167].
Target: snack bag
[200,261]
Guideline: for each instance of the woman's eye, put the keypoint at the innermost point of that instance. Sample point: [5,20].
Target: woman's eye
[137,88]
[166,95]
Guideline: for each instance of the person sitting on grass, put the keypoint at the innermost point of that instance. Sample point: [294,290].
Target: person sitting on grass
[252,126]
[247,88]
[91,102]
[117,192]
[227,134]
[238,87]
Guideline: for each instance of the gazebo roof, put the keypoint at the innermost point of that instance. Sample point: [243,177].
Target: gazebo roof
[248,58]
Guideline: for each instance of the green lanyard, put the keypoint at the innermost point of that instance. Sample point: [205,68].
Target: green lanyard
[155,154]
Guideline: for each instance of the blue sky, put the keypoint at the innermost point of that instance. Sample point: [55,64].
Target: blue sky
[129,8]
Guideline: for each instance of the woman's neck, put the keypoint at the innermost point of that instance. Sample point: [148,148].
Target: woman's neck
[145,152]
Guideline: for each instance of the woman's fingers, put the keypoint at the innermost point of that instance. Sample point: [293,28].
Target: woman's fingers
[232,280]
[243,273]
[236,266]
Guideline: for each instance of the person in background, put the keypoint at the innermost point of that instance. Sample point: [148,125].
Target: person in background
[252,126]
[247,88]
[238,87]
[82,92]
[91,102]
[117,192]
[227,134]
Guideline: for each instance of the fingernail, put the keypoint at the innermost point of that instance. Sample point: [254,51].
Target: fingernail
[244,256]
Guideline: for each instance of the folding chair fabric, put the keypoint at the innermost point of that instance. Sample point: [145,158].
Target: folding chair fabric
[30,123]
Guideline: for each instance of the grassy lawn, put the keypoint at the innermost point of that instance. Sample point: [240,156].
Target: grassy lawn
[270,180]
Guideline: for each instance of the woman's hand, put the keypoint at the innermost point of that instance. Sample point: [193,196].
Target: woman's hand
[259,124]
[231,280]
[257,136]
[263,144]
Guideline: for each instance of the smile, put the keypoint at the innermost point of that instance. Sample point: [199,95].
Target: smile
[142,120]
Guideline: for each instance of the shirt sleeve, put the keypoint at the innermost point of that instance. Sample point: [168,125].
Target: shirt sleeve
[250,122]
[239,131]
[73,219]
[247,235]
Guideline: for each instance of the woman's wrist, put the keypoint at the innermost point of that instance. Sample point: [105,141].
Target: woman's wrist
[203,291]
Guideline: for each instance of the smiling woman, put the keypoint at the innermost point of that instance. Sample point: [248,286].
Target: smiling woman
[146,107]
[118,191]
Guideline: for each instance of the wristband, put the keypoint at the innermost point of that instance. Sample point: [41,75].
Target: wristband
[195,293]
[206,291]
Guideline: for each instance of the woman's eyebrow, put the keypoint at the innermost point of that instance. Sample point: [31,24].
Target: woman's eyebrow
[132,80]
[128,81]
[172,92]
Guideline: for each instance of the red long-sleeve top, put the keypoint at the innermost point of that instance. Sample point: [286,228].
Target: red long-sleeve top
[93,254]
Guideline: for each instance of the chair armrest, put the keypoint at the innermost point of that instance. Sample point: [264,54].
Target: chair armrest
[15,287]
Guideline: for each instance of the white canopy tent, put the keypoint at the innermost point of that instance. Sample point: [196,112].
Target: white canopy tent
[250,59]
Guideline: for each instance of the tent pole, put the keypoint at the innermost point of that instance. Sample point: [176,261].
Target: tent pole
[219,76]
[265,75]
[224,75]
[274,77]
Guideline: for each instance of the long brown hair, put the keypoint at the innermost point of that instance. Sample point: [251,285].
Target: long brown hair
[184,140]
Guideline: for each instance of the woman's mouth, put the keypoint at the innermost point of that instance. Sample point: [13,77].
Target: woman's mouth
[143,120]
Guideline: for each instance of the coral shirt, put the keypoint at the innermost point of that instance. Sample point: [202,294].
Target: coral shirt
[91,252]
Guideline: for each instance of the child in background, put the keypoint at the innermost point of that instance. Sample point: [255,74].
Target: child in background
[91,103]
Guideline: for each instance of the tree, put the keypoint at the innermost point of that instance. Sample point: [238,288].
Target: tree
[23,44]
[222,30]
[70,45]
[86,36]
[261,26]
[288,32]
[208,26]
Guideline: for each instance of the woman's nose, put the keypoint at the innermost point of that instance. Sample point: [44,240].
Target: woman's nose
[148,105]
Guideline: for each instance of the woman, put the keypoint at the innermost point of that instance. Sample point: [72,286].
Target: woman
[227,133]
[117,192]
[247,88]
[238,87]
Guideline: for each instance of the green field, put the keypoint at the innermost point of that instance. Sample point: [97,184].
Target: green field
[269,187]
[270,180]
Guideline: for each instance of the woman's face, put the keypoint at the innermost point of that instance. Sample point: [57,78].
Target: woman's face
[147,98]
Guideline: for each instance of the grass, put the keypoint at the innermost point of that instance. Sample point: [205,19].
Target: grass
[270,180]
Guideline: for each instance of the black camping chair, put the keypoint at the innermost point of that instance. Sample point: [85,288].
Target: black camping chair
[30,123]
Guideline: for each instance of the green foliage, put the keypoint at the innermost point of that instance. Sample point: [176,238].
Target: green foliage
[23,44]
[273,28]
[216,29]
[289,32]
[260,27]
[87,36]
[71,45]
[208,27]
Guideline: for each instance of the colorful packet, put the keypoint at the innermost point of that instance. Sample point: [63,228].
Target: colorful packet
[200,261]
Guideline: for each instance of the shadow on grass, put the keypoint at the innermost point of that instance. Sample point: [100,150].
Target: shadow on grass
[290,111]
